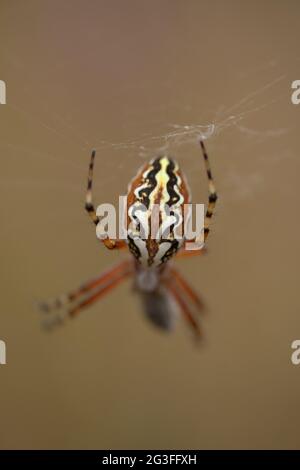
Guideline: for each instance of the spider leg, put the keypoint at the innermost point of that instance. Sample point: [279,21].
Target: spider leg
[64,300]
[99,293]
[89,207]
[184,285]
[185,309]
[187,253]
[212,198]
[212,194]
[104,283]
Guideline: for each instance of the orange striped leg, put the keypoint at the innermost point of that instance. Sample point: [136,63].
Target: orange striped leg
[185,309]
[104,284]
[111,273]
[64,300]
[187,253]
[99,293]
[182,283]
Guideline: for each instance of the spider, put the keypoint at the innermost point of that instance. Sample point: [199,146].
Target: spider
[159,284]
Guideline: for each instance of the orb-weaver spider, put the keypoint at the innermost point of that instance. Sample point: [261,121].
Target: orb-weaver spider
[157,282]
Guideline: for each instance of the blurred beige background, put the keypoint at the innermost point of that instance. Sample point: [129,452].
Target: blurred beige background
[126,77]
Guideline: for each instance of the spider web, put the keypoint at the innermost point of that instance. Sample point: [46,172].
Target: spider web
[164,137]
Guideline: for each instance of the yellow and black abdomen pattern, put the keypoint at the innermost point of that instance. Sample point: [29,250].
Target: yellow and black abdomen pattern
[159,184]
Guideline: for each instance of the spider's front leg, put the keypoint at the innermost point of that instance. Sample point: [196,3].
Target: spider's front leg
[89,207]
[212,199]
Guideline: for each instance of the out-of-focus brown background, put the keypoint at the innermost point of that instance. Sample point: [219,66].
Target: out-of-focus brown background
[132,78]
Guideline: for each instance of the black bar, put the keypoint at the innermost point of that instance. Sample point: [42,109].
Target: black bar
[136,458]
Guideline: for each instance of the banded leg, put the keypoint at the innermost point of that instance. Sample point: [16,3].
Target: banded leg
[212,199]
[212,194]
[104,283]
[89,207]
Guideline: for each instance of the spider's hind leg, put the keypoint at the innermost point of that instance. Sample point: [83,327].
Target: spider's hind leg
[187,299]
[185,309]
[58,310]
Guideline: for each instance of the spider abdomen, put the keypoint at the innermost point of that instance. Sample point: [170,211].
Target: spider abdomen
[155,201]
